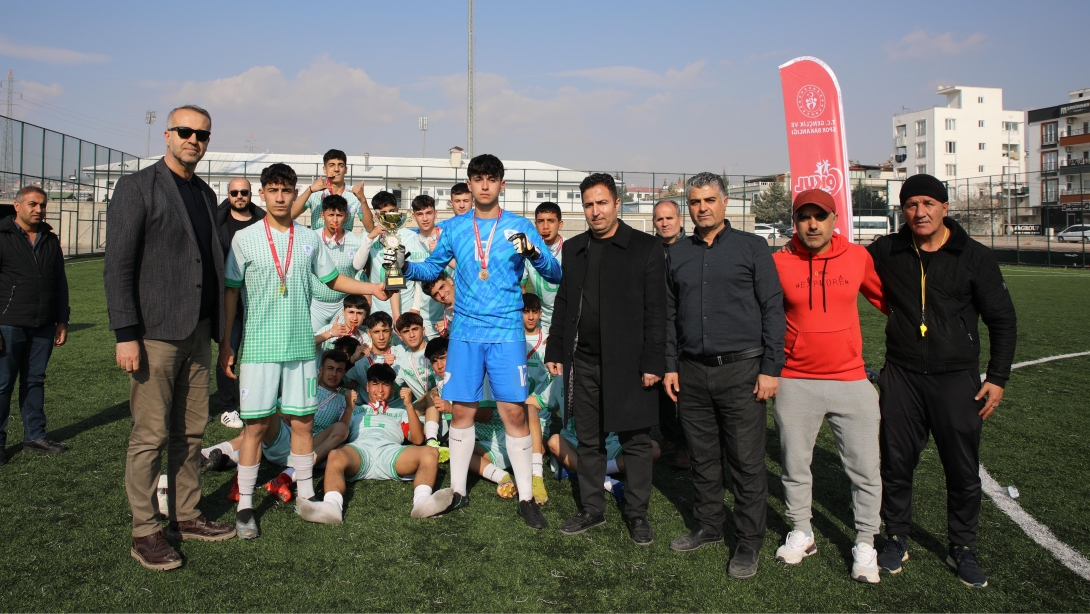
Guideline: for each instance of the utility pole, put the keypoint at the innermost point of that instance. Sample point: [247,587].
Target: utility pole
[250,143]
[9,143]
[149,119]
[422,123]
[469,89]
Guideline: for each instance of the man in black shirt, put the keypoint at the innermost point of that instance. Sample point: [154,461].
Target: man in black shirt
[607,337]
[236,212]
[669,227]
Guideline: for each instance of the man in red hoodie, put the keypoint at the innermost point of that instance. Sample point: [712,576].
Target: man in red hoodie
[823,377]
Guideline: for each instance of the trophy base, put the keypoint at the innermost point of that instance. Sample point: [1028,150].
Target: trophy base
[395,282]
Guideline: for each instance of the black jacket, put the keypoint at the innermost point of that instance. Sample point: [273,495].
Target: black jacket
[33,286]
[222,214]
[633,323]
[963,282]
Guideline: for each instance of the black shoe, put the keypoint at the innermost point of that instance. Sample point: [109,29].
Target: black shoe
[45,446]
[218,461]
[458,502]
[640,530]
[743,565]
[895,553]
[963,560]
[531,513]
[581,522]
[697,538]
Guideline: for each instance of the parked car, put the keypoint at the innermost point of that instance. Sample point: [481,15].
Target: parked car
[1074,234]
[766,231]
[786,230]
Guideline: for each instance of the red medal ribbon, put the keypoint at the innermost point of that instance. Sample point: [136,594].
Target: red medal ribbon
[379,407]
[540,337]
[281,272]
[477,234]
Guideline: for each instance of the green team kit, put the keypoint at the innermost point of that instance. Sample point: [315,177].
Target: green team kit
[378,435]
[327,302]
[331,408]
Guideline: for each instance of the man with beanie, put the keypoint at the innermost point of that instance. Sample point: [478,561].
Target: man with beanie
[937,282]
[823,377]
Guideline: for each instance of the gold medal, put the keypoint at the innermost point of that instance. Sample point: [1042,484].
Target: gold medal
[483,275]
[283,289]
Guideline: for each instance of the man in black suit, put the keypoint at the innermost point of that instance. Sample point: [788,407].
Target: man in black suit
[164,295]
[608,337]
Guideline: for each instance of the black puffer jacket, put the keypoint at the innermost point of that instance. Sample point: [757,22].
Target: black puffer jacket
[963,283]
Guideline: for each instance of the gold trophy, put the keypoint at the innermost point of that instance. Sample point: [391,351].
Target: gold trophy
[392,221]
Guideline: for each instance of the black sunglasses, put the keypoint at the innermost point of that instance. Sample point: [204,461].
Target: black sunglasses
[237,192]
[185,132]
[805,217]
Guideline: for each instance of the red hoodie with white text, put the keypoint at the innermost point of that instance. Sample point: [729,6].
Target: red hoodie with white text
[819,296]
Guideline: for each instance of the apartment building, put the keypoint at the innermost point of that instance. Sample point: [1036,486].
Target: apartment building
[1058,156]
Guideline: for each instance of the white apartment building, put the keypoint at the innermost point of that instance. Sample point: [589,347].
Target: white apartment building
[1058,157]
[971,136]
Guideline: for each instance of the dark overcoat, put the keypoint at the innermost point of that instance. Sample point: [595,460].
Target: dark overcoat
[633,324]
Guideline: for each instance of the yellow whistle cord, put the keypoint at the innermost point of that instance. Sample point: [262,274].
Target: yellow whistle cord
[923,282]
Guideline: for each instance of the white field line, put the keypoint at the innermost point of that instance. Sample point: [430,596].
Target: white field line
[1036,531]
[82,262]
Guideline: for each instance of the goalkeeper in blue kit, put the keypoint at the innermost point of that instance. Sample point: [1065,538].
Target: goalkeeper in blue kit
[491,248]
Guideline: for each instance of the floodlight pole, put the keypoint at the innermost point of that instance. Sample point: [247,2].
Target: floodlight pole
[422,124]
[149,119]
[469,89]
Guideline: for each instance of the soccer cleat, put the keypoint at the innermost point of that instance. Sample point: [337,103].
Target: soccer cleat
[218,461]
[531,513]
[280,486]
[963,560]
[618,492]
[435,504]
[796,547]
[231,420]
[894,553]
[233,495]
[321,512]
[541,496]
[444,452]
[457,502]
[246,525]
[506,488]
[865,564]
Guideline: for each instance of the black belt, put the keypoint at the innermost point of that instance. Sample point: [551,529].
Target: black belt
[723,359]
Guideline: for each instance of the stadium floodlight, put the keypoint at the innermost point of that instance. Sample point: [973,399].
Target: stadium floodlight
[422,124]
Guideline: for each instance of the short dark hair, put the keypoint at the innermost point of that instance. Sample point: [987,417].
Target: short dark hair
[379,317]
[436,348]
[334,202]
[186,107]
[459,188]
[485,165]
[428,286]
[599,179]
[548,207]
[382,199]
[336,356]
[278,174]
[348,345]
[382,373]
[357,301]
[334,154]
[27,189]
[531,302]
[409,318]
[423,202]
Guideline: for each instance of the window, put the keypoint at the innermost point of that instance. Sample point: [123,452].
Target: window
[1049,160]
[952,170]
[424,191]
[442,192]
[980,169]
[921,150]
[1048,191]
[902,130]
[1048,133]
[980,146]
[1010,126]
[546,194]
[921,169]
[572,195]
[921,127]
[951,124]
[1011,148]
[980,100]
[951,147]
[980,124]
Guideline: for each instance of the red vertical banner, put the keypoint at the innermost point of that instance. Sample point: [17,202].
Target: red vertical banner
[816,141]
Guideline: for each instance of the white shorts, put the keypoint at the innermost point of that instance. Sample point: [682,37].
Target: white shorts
[259,383]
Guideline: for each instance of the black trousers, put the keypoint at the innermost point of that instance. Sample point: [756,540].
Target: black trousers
[636,448]
[914,405]
[722,418]
[669,424]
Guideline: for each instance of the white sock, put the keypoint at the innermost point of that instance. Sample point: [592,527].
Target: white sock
[304,474]
[521,451]
[431,430]
[335,498]
[234,455]
[224,447]
[609,484]
[420,493]
[493,473]
[247,479]
[290,472]
[611,467]
[537,464]
[461,452]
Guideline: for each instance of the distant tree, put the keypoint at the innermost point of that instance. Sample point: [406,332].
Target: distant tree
[773,205]
[627,197]
[866,200]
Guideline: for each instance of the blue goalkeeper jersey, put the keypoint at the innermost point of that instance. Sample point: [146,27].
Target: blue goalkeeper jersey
[486,311]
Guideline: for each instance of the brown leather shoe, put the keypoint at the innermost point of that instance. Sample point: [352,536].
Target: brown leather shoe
[153,552]
[203,529]
[681,461]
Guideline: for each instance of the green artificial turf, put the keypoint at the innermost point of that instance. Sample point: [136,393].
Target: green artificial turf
[64,520]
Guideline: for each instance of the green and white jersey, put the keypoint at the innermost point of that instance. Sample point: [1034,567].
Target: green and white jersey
[331,404]
[342,253]
[395,358]
[414,371]
[416,251]
[314,203]
[430,310]
[532,281]
[320,348]
[377,426]
[277,326]
[542,384]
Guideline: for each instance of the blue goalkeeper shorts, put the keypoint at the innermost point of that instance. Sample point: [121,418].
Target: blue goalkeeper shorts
[504,363]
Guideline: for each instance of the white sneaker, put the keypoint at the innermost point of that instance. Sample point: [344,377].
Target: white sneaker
[231,420]
[865,567]
[797,547]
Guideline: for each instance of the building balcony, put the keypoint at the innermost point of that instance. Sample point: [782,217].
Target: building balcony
[1074,195]
[1049,170]
[1075,166]
[900,158]
[1074,136]
[1049,140]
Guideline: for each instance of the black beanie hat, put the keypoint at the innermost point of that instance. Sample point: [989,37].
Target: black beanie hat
[923,185]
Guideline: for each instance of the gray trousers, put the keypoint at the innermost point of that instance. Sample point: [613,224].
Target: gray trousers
[852,410]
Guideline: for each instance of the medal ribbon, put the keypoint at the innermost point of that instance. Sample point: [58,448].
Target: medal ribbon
[379,407]
[540,337]
[477,234]
[282,273]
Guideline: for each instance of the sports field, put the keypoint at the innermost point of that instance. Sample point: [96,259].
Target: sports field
[64,520]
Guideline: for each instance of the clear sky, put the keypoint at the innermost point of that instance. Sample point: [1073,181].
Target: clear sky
[633,85]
